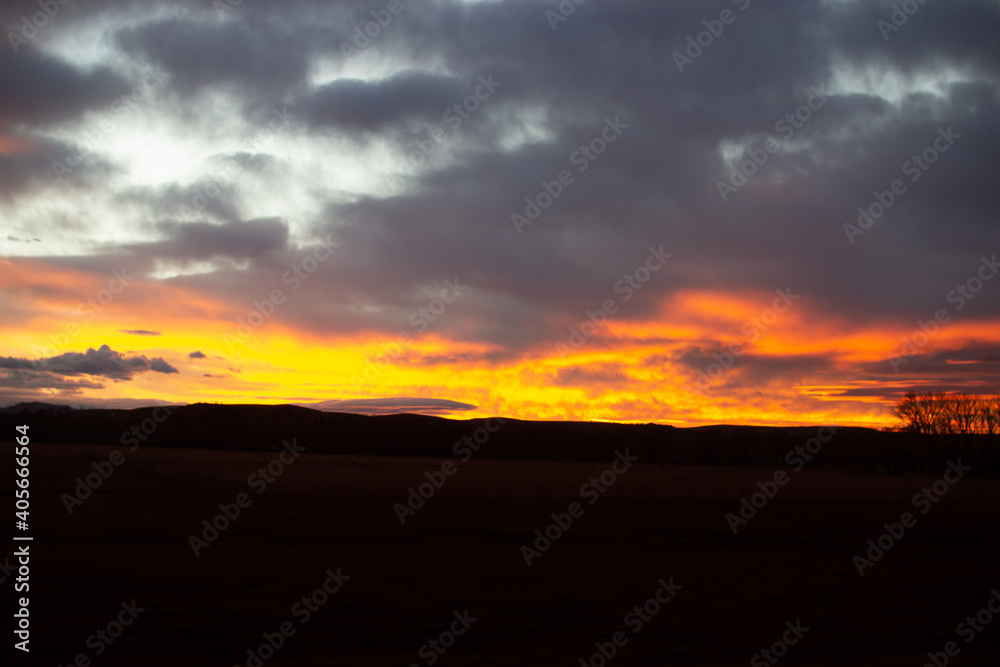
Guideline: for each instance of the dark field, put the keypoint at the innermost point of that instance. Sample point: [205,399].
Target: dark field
[461,551]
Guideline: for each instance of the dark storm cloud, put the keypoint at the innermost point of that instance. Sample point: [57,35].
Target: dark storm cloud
[183,201]
[246,54]
[757,370]
[32,172]
[658,182]
[248,256]
[655,184]
[103,362]
[38,89]
[731,366]
[187,242]
[357,105]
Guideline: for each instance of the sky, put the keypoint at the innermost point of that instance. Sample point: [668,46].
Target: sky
[686,213]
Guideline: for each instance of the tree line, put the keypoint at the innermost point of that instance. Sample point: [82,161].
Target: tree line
[941,413]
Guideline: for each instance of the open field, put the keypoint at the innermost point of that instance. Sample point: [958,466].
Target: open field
[322,474]
[461,550]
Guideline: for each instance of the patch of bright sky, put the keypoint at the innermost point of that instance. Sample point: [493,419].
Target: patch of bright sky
[88,40]
[153,146]
[369,65]
[893,86]
[531,126]
[65,220]
[731,152]
[171,270]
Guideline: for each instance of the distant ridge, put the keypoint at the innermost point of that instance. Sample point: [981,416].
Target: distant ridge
[34,406]
[265,427]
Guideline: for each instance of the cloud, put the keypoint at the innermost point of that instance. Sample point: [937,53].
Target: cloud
[198,354]
[31,172]
[223,246]
[102,362]
[252,56]
[370,106]
[175,202]
[344,169]
[191,241]
[140,332]
[387,406]
[24,380]
[39,89]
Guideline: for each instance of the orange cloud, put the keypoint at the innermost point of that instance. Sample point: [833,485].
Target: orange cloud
[798,366]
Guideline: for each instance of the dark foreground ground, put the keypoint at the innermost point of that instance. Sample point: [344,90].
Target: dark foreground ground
[461,551]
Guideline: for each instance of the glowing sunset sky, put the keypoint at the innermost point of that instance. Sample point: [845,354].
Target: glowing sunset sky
[481,208]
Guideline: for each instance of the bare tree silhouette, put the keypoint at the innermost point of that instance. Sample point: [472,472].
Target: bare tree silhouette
[939,413]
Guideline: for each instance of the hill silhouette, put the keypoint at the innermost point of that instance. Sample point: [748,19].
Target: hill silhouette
[264,427]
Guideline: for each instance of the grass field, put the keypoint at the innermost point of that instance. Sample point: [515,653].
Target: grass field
[462,550]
